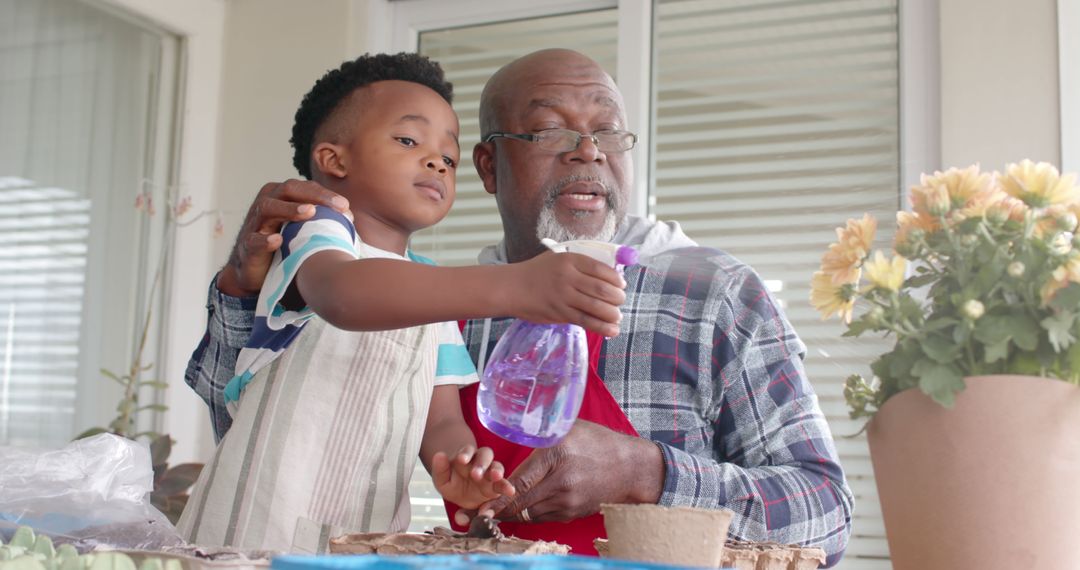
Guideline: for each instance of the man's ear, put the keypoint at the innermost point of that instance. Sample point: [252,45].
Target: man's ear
[329,159]
[483,158]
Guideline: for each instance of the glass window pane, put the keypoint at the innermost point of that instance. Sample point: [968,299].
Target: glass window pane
[77,107]
[775,122]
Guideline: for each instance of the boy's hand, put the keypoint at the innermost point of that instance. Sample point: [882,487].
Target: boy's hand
[568,288]
[259,237]
[470,478]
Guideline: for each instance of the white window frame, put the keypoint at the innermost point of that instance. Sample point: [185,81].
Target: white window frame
[1068,16]
[201,26]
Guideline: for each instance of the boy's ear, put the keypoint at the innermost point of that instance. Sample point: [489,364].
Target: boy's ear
[483,156]
[329,159]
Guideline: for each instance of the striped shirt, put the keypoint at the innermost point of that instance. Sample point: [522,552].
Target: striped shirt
[276,327]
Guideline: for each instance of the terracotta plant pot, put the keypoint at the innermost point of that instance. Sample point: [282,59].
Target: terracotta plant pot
[670,535]
[992,483]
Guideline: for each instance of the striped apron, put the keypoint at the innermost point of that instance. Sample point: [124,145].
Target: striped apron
[323,443]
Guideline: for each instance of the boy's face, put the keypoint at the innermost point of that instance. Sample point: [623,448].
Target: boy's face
[401,157]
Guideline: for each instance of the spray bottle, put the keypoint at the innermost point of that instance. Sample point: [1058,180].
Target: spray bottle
[534,381]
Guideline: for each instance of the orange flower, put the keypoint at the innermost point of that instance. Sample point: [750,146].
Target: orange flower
[954,189]
[842,260]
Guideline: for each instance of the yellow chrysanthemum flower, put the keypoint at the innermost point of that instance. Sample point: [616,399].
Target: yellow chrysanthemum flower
[954,189]
[885,274]
[843,258]
[832,299]
[1039,185]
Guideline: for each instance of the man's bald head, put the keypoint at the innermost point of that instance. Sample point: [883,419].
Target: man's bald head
[544,67]
[580,193]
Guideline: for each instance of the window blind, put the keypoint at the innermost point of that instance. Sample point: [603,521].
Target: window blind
[775,121]
[43,243]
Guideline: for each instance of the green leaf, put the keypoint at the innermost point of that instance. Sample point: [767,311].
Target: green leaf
[996,351]
[91,433]
[66,551]
[23,563]
[911,310]
[940,349]
[991,329]
[160,449]
[962,332]
[1024,330]
[154,407]
[1067,298]
[1072,358]
[901,360]
[941,382]
[112,561]
[153,384]
[151,564]
[44,545]
[1025,363]
[112,375]
[178,479]
[1059,329]
[859,326]
[916,281]
[23,538]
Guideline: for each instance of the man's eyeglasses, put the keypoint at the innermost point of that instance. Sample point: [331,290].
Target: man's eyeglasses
[565,140]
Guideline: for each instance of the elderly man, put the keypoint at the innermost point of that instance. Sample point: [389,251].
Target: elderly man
[702,400]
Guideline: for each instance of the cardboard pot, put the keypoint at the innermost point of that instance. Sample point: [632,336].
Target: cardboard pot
[991,483]
[670,535]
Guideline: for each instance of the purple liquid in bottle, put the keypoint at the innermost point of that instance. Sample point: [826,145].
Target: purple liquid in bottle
[533,384]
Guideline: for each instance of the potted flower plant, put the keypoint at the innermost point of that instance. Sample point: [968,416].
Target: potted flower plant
[972,413]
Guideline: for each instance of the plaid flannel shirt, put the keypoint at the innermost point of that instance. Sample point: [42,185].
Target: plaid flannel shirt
[708,367]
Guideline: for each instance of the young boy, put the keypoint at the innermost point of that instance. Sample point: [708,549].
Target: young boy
[328,420]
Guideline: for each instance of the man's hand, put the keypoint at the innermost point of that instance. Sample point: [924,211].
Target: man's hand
[259,237]
[592,465]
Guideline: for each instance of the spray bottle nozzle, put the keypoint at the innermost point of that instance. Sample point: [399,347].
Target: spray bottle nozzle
[612,254]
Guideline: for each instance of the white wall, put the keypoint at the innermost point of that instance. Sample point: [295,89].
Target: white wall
[999,82]
[274,52]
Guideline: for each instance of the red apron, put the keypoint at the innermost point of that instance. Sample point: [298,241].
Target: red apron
[597,406]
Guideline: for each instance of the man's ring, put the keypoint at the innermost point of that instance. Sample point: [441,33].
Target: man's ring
[525,515]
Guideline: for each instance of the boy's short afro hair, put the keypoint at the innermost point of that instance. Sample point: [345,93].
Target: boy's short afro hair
[339,83]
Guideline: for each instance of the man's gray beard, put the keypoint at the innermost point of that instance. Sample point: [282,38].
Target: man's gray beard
[548,226]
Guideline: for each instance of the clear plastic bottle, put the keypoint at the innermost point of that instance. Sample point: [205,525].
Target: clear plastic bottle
[533,384]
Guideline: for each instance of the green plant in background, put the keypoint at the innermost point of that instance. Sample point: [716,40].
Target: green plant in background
[994,286]
[29,552]
[171,484]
